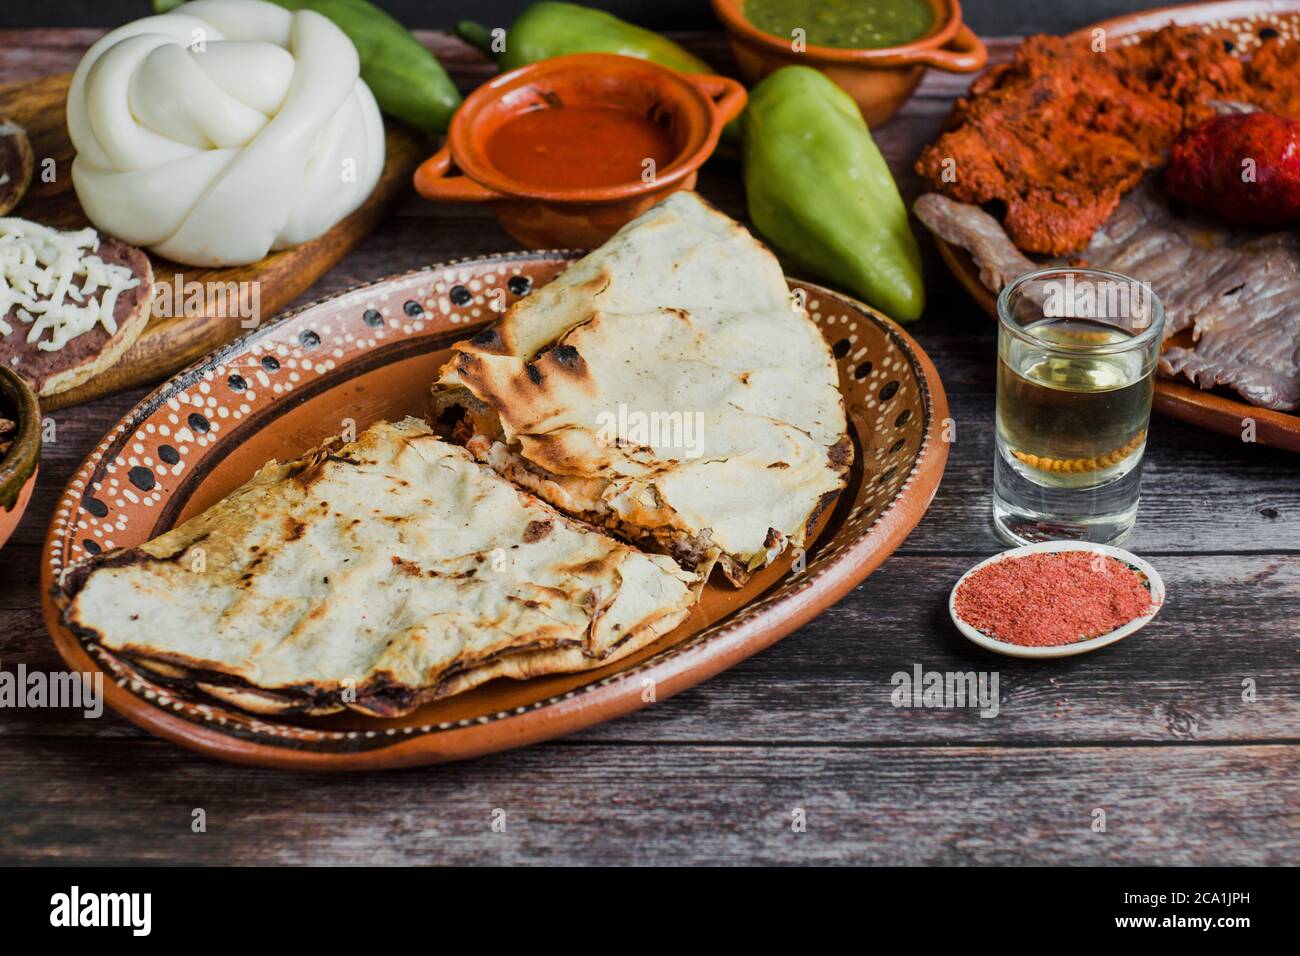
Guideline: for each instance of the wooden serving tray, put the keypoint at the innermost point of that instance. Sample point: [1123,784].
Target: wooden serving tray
[1219,411]
[169,343]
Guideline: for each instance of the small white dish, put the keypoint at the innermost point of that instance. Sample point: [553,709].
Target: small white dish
[1154,582]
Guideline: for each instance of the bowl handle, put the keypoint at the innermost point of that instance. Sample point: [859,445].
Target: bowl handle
[964,53]
[432,182]
[728,95]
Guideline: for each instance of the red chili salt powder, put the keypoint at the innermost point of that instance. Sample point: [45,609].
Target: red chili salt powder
[1044,600]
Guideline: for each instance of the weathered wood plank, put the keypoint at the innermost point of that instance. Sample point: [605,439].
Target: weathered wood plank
[1228,619]
[808,723]
[578,803]
[1200,492]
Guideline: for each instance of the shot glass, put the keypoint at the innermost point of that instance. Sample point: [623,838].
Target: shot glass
[1077,354]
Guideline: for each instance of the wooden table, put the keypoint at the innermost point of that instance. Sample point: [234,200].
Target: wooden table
[1153,731]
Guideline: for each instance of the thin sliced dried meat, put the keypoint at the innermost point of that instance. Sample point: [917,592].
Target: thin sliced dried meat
[1237,291]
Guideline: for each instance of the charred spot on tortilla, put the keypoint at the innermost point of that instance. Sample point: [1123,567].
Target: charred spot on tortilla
[75,578]
[567,357]
[841,453]
[489,340]
[593,566]
[467,362]
[536,530]
[823,503]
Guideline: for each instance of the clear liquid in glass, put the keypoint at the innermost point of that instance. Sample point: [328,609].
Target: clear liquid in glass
[1071,431]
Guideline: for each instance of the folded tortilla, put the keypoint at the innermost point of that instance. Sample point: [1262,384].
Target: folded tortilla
[374,575]
[667,387]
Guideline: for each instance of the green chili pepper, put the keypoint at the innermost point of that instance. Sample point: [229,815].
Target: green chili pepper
[407,80]
[822,195]
[550,29]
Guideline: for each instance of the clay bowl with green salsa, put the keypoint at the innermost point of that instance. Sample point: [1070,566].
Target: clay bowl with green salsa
[877,50]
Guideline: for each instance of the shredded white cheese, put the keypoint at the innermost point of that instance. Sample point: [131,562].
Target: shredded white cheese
[53,283]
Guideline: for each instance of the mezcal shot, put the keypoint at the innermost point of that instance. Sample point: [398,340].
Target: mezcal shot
[1077,353]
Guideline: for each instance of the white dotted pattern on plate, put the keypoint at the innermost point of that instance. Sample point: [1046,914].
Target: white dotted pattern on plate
[885,394]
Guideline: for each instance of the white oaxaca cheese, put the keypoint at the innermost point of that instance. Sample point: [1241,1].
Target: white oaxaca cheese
[222,130]
[54,283]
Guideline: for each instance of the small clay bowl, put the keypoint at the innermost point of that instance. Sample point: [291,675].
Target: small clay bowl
[18,466]
[695,108]
[880,80]
[1154,583]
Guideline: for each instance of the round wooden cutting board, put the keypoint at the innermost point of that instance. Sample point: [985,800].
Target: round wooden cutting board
[372,353]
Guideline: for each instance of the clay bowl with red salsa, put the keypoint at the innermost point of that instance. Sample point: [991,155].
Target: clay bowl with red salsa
[569,149]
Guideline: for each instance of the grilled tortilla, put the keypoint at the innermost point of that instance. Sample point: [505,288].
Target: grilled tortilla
[667,387]
[373,575]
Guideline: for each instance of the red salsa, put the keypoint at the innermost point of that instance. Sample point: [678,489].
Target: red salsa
[579,146]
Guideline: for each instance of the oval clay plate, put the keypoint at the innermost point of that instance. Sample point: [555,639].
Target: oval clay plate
[1217,411]
[371,353]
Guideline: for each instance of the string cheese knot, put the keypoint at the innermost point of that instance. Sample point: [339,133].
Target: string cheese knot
[222,130]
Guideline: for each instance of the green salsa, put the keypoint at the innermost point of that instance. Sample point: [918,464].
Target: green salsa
[848,24]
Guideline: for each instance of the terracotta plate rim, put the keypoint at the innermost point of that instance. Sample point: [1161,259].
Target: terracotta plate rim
[674,669]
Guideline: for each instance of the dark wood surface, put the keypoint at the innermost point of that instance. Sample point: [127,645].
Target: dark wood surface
[984,16]
[1153,731]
